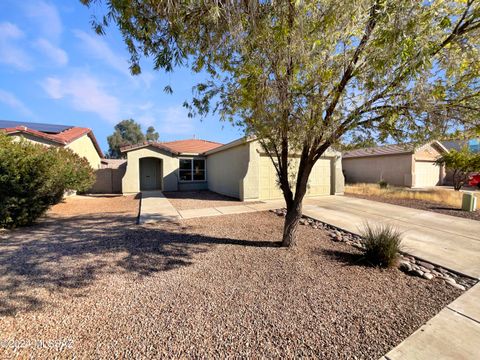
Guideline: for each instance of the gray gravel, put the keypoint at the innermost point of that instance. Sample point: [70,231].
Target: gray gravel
[205,287]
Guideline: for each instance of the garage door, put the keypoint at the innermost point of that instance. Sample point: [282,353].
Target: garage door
[318,184]
[426,174]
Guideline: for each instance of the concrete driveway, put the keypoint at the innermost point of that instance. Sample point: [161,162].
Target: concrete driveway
[448,241]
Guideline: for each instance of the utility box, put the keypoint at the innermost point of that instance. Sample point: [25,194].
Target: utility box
[469,202]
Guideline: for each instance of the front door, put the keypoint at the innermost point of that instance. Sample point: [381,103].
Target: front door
[148,174]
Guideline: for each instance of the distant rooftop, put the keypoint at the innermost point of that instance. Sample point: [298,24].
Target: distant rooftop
[60,134]
[45,128]
[391,149]
[189,146]
[380,150]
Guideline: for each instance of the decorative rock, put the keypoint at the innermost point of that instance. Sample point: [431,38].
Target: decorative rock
[459,287]
[428,276]
[426,265]
[418,273]
[405,266]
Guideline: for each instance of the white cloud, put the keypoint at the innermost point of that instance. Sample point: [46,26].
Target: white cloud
[47,17]
[11,52]
[56,54]
[11,100]
[53,87]
[99,49]
[175,121]
[85,93]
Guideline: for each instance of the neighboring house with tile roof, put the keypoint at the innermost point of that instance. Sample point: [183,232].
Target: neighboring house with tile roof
[239,169]
[397,164]
[79,139]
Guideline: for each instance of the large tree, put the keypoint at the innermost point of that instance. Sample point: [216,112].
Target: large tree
[151,134]
[299,75]
[128,132]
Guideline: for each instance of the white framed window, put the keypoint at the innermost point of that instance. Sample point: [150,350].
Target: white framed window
[192,170]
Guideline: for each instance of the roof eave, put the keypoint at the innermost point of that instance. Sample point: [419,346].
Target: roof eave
[129,148]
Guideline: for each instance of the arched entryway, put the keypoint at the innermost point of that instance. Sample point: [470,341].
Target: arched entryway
[151,174]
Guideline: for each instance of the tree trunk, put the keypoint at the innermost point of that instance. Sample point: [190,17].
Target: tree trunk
[294,206]
[294,214]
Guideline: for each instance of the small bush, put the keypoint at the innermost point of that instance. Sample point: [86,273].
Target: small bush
[33,177]
[381,245]
[383,184]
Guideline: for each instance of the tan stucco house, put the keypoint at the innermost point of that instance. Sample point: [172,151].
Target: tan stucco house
[239,169]
[397,164]
[78,139]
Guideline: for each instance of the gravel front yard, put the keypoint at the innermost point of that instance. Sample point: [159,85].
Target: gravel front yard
[96,204]
[422,205]
[206,287]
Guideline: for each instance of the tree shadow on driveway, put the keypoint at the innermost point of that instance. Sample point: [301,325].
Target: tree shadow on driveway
[71,253]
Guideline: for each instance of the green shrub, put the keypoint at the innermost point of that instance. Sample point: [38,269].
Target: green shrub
[383,184]
[33,177]
[381,245]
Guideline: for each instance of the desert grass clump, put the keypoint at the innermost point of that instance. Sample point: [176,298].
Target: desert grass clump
[381,245]
[383,184]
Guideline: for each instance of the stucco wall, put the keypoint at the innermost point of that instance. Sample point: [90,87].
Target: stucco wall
[84,147]
[427,153]
[131,179]
[33,139]
[337,177]
[235,171]
[395,169]
[108,181]
[226,170]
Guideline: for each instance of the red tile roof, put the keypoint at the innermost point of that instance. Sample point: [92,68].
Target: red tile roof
[190,146]
[63,138]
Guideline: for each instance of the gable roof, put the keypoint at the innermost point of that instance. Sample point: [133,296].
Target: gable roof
[58,134]
[392,149]
[189,146]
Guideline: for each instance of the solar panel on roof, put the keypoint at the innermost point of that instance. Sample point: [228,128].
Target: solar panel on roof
[46,128]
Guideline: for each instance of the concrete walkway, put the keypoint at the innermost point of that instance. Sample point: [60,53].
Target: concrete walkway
[451,242]
[228,210]
[155,207]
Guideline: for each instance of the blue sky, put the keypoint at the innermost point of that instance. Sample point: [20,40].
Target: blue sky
[55,69]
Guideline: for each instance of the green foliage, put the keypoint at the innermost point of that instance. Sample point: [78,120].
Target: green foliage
[151,134]
[381,245]
[383,184]
[128,132]
[34,177]
[461,163]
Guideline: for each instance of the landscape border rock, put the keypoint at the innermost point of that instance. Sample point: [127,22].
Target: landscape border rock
[407,263]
